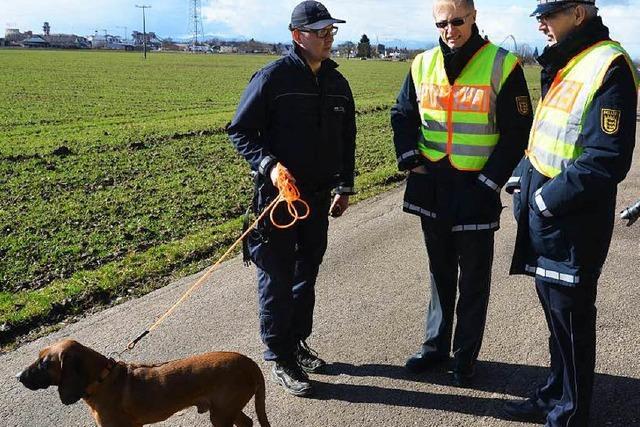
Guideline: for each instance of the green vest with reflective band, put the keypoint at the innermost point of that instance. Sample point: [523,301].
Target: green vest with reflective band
[459,121]
[554,141]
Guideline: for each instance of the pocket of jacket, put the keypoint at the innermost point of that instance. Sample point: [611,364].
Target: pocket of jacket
[492,205]
[517,204]
[336,109]
[477,205]
[419,195]
[547,237]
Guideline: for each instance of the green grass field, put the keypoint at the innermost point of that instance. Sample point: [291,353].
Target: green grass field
[116,175]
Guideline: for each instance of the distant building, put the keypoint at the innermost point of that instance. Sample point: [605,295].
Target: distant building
[398,55]
[108,41]
[14,36]
[199,49]
[153,42]
[35,41]
[228,49]
[67,41]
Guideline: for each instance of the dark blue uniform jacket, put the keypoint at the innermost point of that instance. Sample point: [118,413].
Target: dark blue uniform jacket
[457,197]
[567,240]
[306,122]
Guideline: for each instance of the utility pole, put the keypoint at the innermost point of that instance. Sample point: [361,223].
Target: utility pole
[144,28]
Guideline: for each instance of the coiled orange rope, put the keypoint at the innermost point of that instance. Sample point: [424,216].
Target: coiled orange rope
[289,194]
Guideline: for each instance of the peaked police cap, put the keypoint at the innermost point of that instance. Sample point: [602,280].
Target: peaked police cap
[546,7]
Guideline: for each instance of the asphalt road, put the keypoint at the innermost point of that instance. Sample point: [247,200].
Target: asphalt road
[371,298]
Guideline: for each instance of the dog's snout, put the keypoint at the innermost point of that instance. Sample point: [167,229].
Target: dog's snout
[33,380]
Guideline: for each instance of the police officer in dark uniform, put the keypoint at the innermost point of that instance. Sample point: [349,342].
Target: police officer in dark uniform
[460,125]
[297,115]
[564,189]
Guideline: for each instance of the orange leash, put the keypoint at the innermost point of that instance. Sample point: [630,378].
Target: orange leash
[289,194]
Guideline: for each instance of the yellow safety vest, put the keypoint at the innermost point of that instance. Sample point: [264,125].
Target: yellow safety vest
[459,121]
[554,141]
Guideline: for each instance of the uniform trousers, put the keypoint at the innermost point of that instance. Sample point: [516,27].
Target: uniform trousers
[460,263]
[571,318]
[287,263]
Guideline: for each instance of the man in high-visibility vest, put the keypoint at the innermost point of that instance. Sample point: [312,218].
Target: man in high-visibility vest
[460,124]
[580,148]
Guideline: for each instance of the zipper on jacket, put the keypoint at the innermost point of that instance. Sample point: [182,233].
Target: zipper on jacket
[322,101]
[316,80]
[450,121]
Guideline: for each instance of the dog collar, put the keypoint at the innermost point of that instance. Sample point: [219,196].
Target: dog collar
[91,388]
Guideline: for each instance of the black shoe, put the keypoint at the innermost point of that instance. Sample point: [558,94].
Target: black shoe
[524,410]
[308,359]
[462,377]
[420,362]
[289,375]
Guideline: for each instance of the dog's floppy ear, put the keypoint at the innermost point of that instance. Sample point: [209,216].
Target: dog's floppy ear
[73,380]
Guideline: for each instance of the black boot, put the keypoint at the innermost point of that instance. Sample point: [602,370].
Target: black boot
[526,410]
[421,362]
[463,377]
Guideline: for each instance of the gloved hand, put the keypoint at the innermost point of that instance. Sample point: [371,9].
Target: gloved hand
[276,170]
[631,213]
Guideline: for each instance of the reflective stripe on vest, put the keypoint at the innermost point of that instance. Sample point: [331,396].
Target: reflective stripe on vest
[554,141]
[459,121]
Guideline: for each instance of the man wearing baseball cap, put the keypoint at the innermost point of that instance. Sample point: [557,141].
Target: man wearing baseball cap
[580,148]
[297,117]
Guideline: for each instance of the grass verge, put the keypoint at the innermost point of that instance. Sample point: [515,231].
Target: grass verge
[31,312]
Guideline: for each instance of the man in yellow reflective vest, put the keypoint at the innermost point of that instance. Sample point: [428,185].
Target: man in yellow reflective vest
[580,148]
[460,124]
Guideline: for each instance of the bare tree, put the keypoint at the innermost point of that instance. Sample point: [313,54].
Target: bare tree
[526,54]
[346,49]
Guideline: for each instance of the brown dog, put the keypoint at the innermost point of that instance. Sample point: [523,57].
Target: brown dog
[127,395]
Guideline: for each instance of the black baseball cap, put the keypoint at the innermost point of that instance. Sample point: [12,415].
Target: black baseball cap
[312,15]
[546,7]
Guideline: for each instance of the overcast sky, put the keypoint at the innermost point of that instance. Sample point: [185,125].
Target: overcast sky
[267,20]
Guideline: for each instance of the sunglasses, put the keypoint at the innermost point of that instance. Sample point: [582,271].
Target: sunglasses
[323,33]
[455,22]
[551,15]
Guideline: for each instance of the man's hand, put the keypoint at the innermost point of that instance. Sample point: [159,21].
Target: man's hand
[275,171]
[631,213]
[422,170]
[339,205]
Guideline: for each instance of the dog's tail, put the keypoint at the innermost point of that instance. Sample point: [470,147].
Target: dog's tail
[259,401]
